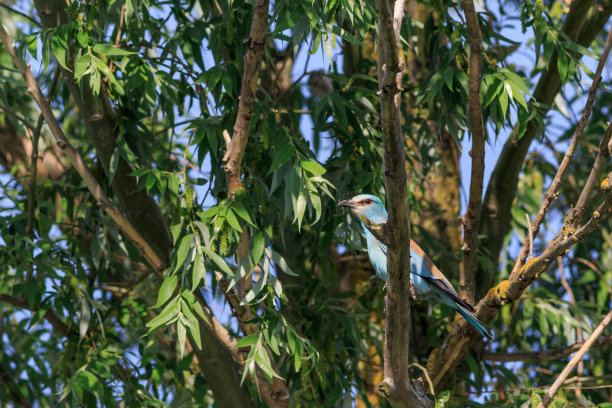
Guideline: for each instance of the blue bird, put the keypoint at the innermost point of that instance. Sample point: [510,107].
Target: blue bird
[426,278]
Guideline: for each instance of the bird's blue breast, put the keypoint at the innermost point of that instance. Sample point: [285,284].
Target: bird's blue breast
[377,252]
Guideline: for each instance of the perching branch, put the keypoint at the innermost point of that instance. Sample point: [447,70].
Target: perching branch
[548,397]
[542,356]
[471,218]
[604,153]
[396,383]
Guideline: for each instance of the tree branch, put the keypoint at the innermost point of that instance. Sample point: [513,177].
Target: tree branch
[582,23]
[396,383]
[471,218]
[55,322]
[31,204]
[229,390]
[252,63]
[275,394]
[548,397]
[544,355]
[551,194]
[100,122]
[77,162]
[456,345]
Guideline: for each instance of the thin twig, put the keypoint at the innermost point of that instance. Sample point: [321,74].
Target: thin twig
[544,355]
[530,236]
[427,377]
[570,293]
[31,202]
[118,36]
[600,162]
[548,397]
[17,117]
[471,218]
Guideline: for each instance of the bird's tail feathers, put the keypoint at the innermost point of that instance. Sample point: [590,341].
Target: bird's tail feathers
[473,320]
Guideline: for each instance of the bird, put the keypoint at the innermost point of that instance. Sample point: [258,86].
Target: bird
[426,278]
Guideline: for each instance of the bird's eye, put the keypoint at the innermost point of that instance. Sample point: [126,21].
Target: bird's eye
[368,201]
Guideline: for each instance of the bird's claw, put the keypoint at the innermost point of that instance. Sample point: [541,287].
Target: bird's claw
[412,293]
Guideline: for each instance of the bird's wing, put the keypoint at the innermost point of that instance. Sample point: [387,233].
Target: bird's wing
[383,247]
[441,285]
[432,274]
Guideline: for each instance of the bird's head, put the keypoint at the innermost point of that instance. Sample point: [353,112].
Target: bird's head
[367,207]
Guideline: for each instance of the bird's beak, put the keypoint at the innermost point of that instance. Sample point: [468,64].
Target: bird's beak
[346,203]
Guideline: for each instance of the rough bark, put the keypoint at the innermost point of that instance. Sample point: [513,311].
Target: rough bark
[396,385]
[471,218]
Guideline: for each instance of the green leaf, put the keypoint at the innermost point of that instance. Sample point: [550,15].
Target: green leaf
[259,243]
[114,163]
[503,101]
[82,66]
[313,167]
[102,67]
[83,38]
[183,250]
[242,212]
[219,261]
[166,290]
[563,63]
[110,50]
[279,261]
[231,219]
[448,77]
[192,322]
[517,95]
[315,200]
[59,45]
[263,361]
[300,208]
[168,315]
[84,317]
[198,272]
[181,334]
[247,341]
[282,153]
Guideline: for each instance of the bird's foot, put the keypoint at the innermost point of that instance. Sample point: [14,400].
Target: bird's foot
[412,293]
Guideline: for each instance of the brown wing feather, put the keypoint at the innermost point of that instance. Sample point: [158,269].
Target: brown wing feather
[440,280]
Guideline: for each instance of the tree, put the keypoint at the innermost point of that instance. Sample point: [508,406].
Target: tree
[170,174]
